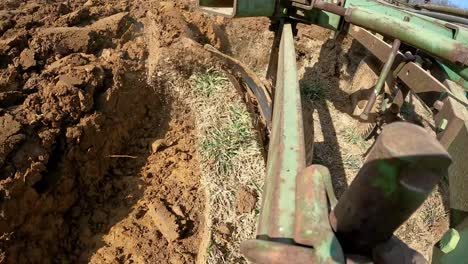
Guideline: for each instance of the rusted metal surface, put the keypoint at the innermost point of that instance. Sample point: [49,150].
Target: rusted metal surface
[452,121]
[321,5]
[286,154]
[329,7]
[410,73]
[456,114]
[257,87]
[379,48]
[400,172]
[382,78]
[268,252]
[458,183]
[419,80]
[442,16]
[311,227]
[303,4]
[294,207]
[445,9]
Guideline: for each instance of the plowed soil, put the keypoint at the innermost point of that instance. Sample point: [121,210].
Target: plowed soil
[97,160]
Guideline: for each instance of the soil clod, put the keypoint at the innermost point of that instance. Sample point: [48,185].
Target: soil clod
[165,221]
[246,200]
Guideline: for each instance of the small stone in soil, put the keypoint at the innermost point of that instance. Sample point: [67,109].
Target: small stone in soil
[27,59]
[177,210]
[157,145]
[224,229]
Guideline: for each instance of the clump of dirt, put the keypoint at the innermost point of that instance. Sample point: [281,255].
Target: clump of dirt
[246,200]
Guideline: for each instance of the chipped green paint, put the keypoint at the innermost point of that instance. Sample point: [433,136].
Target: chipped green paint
[329,251]
[286,156]
[388,180]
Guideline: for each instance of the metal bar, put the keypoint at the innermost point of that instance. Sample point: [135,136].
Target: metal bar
[379,48]
[445,9]
[269,252]
[452,122]
[382,78]
[445,48]
[419,80]
[251,80]
[312,227]
[414,76]
[329,7]
[286,156]
[400,172]
[445,17]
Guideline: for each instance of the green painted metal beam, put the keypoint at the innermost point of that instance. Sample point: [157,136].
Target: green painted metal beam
[446,41]
[286,155]
[447,49]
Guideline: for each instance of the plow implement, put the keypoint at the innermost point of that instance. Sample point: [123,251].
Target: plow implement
[414,50]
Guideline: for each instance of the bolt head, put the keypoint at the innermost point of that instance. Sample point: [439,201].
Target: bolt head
[443,124]
[438,105]
[449,241]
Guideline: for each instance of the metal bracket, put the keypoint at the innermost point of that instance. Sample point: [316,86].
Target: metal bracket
[303,4]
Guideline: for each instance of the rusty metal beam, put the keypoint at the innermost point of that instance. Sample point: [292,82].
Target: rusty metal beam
[269,252]
[452,124]
[419,80]
[286,155]
[411,74]
[400,172]
[379,48]
[256,86]
[293,223]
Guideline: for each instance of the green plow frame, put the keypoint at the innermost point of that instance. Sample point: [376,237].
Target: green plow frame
[301,221]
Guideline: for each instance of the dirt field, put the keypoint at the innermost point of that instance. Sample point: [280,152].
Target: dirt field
[111,118]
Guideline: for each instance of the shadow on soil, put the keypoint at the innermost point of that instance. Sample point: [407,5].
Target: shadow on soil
[115,196]
[326,73]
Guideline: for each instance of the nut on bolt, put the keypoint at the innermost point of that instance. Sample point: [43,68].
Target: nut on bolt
[443,124]
[449,241]
[438,105]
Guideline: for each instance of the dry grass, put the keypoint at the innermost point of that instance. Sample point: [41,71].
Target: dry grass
[426,226]
[230,159]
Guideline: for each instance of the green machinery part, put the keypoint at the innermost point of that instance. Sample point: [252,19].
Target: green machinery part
[445,41]
[291,213]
